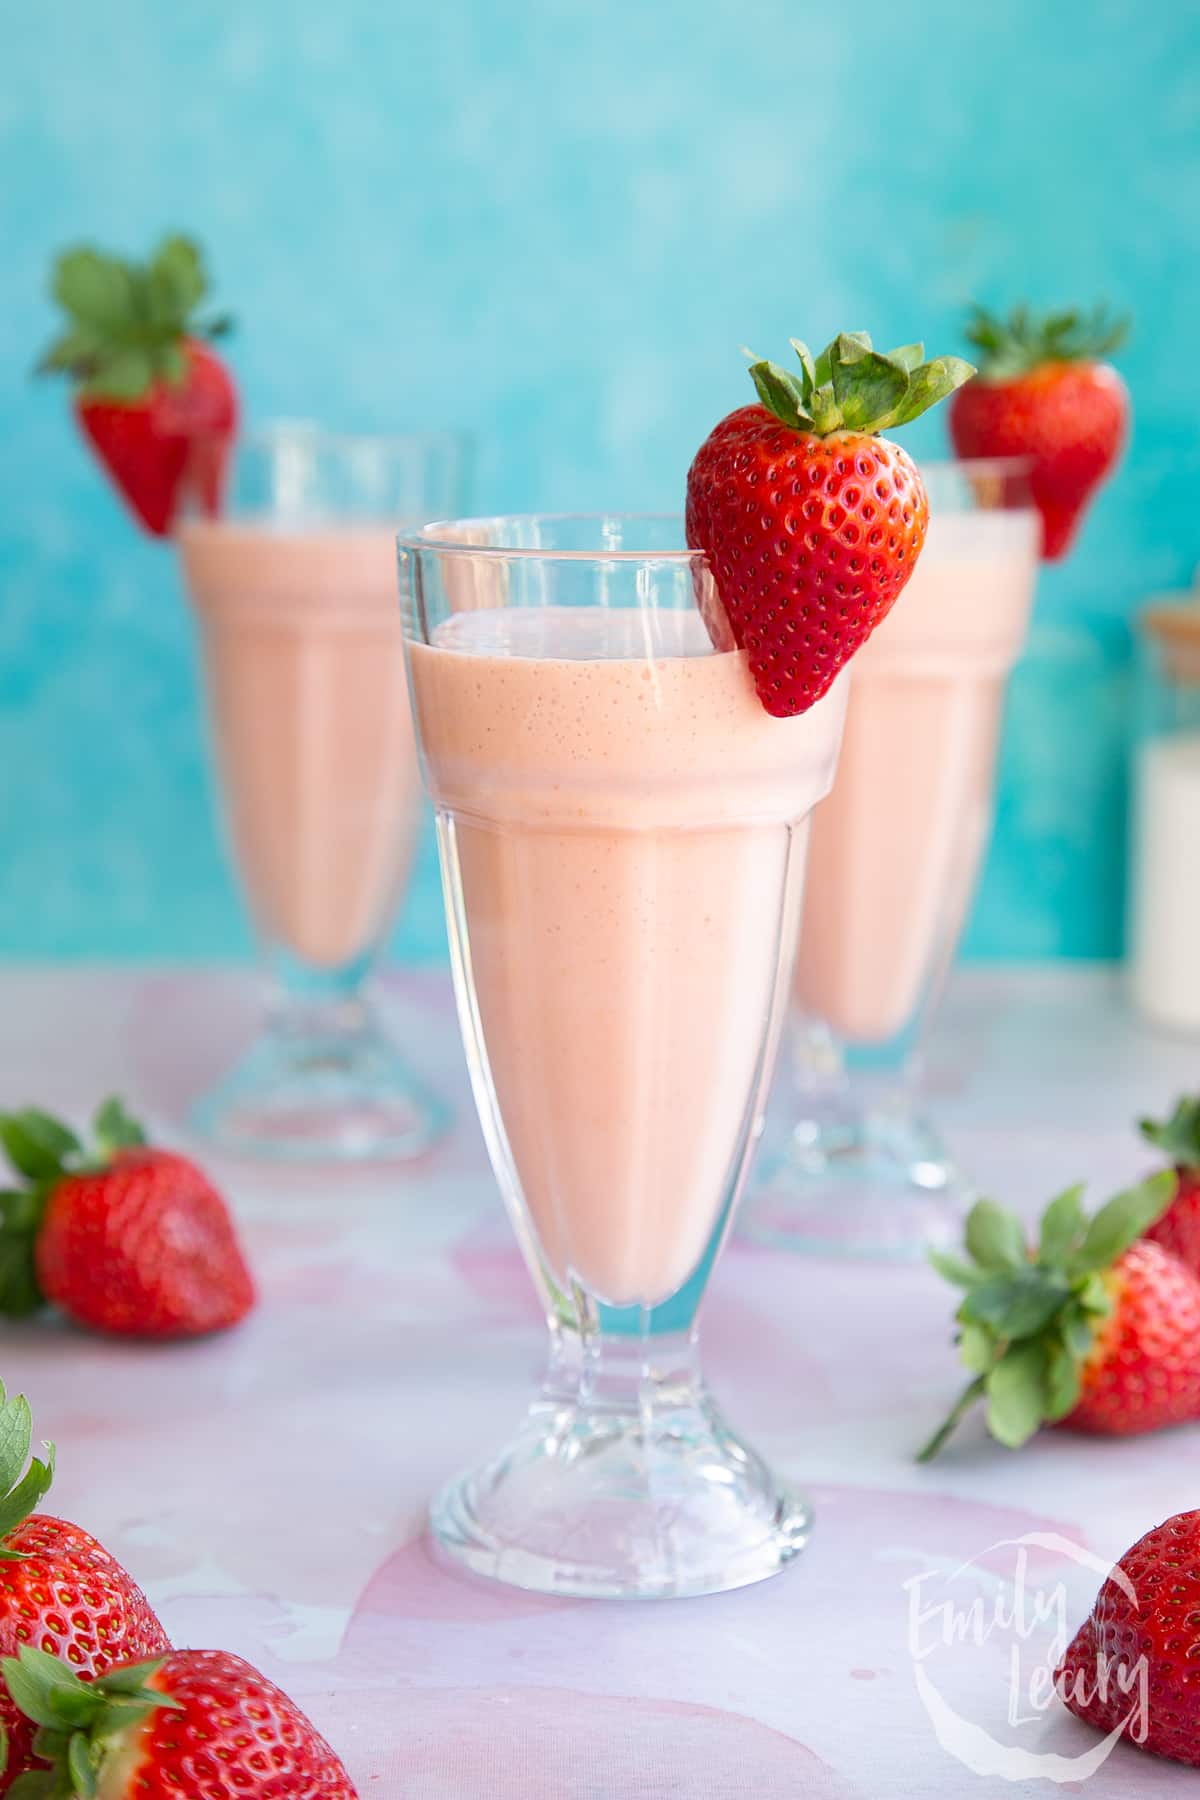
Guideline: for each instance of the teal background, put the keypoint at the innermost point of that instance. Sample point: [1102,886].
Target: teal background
[555,222]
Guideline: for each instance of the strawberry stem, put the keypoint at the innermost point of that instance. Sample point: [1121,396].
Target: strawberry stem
[973,1391]
[852,386]
[1012,346]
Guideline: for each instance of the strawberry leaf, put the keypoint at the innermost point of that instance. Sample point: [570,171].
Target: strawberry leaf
[1016,1394]
[1012,346]
[1179,1136]
[977,1348]
[808,380]
[994,1237]
[954,1269]
[177,279]
[81,1767]
[35,1144]
[866,386]
[1015,1306]
[1062,1379]
[1062,1226]
[122,375]
[41,1687]
[782,394]
[1122,1221]
[929,383]
[35,1784]
[908,356]
[94,289]
[114,1128]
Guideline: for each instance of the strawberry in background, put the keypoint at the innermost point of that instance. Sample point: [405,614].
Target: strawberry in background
[1044,391]
[124,1237]
[1094,1328]
[153,399]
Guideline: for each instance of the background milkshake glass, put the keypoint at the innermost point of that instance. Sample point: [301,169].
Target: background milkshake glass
[895,853]
[294,588]
[622,830]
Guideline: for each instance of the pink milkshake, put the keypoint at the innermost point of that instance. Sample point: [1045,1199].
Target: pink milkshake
[294,589]
[897,846]
[311,726]
[624,849]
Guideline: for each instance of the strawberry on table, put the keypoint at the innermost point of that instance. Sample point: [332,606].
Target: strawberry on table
[1179,1140]
[153,399]
[1091,1329]
[60,1591]
[198,1722]
[1045,392]
[1140,1643]
[810,520]
[123,1237]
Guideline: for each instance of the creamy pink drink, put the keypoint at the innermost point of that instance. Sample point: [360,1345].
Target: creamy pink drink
[896,847]
[311,725]
[622,838]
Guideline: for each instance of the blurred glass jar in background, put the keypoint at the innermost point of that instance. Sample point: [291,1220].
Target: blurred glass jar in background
[294,587]
[1164,865]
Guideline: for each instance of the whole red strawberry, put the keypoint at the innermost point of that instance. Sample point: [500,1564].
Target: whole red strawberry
[1132,1664]
[1091,1329]
[60,1591]
[1179,1140]
[200,1722]
[1043,392]
[156,404]
[123,1237]
[811,522]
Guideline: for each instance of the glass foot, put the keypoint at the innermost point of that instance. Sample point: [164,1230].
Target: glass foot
[321,1094]
[607,1501]
[879,1187]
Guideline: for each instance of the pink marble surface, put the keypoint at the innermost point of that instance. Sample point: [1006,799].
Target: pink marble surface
[269,1487]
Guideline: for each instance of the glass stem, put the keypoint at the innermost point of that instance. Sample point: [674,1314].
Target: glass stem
[648,1378]
[318,1005]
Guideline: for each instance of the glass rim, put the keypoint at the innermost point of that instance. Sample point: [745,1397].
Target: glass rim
[270,433]
[424,538]
[445,537]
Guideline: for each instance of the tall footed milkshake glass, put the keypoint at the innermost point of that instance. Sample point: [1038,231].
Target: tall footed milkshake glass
[292,577]
[622,831]
[895,853]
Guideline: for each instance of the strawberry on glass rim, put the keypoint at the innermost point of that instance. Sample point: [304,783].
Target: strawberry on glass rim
[810,520]
[1045,392]
[154,400]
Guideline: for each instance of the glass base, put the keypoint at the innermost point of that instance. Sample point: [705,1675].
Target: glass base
[319,1090]
[879,1186]
[646,1497]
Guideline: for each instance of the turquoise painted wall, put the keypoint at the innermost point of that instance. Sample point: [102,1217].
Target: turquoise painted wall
[555,221]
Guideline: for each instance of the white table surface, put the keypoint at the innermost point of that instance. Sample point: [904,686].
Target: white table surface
[268,1487]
